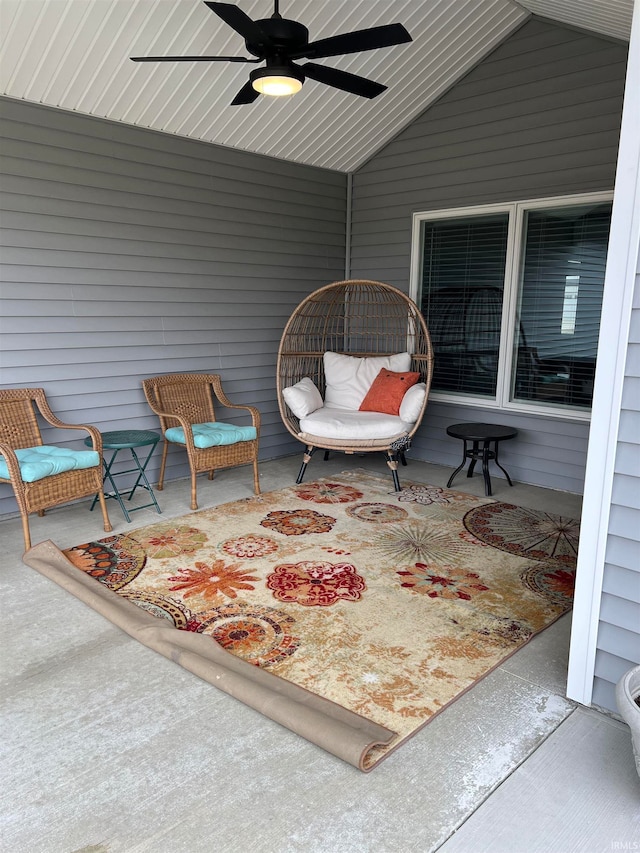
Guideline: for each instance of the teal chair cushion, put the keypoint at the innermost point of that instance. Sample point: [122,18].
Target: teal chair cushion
[39,462]
[213,434]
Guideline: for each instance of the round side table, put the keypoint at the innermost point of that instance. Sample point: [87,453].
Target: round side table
[487,435]
[128,439]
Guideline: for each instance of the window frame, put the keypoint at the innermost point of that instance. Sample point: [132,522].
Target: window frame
[516,211]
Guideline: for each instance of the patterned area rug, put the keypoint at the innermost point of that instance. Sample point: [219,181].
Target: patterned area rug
[387,604]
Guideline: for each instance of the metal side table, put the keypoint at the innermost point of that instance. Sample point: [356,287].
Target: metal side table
[128,439]
[487,434]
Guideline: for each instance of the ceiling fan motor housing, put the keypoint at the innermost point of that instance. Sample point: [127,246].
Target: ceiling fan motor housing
[283,34]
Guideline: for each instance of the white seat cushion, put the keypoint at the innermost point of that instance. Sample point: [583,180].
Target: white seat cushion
[337,423]
[348,378]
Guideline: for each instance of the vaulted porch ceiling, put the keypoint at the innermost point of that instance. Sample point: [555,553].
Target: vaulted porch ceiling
[75,55]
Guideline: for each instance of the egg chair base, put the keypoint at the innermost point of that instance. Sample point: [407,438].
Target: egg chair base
[393,452]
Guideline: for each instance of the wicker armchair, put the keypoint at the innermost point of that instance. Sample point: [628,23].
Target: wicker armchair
[185,404]
[25,466]
[365,319]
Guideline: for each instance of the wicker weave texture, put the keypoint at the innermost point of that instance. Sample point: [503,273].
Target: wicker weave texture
[62,488]
[19,428]
[185,399]
[358,318]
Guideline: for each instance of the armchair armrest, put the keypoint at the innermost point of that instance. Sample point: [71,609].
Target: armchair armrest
[222,397]
[13,465]
[53,420]
[184,423]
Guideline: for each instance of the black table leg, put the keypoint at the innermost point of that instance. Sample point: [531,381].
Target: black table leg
[460,466]
[500,466]
[475,453]
[486,455]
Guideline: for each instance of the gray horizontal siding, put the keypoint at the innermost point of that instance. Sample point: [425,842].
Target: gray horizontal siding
[127,253]
[618,642]
[604,690]
[539,117]
[623,582]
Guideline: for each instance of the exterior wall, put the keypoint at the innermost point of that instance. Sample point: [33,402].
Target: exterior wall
[618,641]
[619,623]
[619,632]
[539,117]
[129,253]
[605,628]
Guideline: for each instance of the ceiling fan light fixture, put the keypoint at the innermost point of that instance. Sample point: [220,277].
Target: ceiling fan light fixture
[277,81]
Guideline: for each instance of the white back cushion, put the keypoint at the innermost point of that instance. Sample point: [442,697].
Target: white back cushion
[348,378]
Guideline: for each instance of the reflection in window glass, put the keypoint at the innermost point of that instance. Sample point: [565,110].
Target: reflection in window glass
[570,305]
[560,301]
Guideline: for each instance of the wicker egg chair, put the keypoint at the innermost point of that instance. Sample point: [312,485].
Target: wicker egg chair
[356,318]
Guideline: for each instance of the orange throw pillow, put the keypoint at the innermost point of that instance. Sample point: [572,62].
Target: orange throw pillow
[387,391]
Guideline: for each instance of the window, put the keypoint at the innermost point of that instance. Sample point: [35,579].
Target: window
[512,296]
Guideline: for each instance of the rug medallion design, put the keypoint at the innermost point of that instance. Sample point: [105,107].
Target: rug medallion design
[389,605]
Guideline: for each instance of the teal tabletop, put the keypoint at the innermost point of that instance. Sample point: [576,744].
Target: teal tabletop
[123,438]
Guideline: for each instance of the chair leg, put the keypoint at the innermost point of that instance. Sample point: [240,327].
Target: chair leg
[105,514]
[256,477]
[25,530]
[392,462]
[163,463]
[305,461]
[194,497]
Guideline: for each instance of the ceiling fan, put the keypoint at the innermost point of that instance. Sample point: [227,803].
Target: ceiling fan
[279,42]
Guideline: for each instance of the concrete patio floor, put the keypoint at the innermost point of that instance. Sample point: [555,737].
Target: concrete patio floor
[109,747]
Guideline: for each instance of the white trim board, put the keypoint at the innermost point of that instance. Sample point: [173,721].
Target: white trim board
[620,278]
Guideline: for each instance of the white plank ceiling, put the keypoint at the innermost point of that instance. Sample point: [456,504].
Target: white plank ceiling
[75,55]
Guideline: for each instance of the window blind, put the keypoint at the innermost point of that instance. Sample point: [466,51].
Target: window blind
[462,292]
[560,301]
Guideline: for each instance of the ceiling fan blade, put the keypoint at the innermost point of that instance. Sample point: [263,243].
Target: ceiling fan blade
[240,22]
[370,39]
[246,95]
[343,80]
[192,59]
